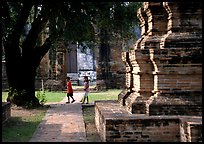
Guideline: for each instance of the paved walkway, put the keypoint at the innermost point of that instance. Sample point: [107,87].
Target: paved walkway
[62,123]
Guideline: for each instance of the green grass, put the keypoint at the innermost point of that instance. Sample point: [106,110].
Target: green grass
[4,96]
[88,114]
[106,95]
[54,96]
[21,129]
[93,96]
[89,120]
[50,96]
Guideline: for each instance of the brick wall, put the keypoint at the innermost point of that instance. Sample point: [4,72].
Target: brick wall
[142,129]
[115,124]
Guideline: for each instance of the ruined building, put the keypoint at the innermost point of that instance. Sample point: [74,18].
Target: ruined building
[77,61]
[162,101]
[63,61]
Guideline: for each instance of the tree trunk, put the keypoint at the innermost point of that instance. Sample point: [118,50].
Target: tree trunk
[103,70]
[19,69]
[21,79]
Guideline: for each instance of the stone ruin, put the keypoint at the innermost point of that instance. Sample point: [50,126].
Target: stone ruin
[162,101]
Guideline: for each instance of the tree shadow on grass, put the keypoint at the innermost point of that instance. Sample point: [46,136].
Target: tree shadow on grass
[16,129]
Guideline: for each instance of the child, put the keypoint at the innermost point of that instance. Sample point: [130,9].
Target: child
[86,89]
[69,91]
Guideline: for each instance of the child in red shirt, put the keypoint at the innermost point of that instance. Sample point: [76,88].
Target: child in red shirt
[69,91]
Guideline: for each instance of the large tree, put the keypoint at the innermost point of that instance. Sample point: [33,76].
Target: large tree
[72,21]
[121,25]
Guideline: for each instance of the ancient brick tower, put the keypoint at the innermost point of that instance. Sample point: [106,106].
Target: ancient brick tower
[163,98]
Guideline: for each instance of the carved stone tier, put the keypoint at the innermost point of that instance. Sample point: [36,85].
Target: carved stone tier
[129,79]
[141,14]
[142,81]
[184,25]
[177,82]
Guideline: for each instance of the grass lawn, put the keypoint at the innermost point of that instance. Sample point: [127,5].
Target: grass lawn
[23,122]
[93,96]
[106,95]
[50,96]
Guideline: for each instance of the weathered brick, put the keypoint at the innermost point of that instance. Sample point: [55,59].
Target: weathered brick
[164,76]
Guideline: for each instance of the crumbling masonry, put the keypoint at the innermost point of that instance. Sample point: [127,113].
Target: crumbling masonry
[162,101]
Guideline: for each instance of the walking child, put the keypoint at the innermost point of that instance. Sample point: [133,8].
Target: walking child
[86,90]
[69,91]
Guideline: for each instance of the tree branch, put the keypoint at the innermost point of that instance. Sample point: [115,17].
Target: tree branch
[37,26]
[41,51]
[16,34]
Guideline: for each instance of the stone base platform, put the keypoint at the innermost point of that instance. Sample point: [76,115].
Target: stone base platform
[177,105]
[116,124]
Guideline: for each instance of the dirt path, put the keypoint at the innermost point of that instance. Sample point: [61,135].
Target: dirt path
[62,123]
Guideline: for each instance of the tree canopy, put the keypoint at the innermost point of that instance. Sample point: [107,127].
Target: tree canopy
[74,21]
[23,22]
